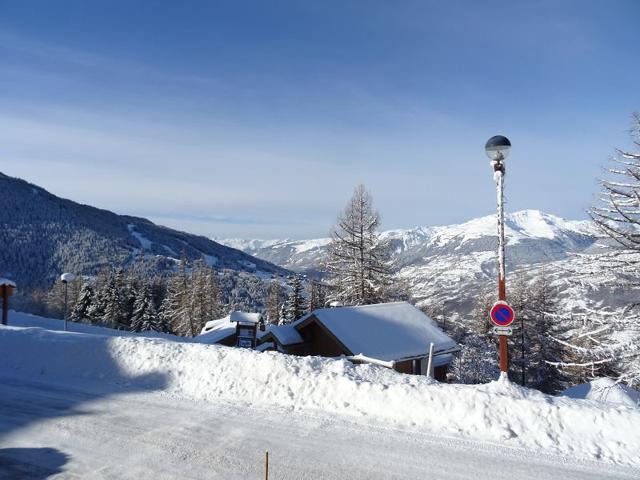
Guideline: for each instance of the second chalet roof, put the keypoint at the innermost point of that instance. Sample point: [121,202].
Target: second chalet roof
[216,330]
[386,331]
[285,334]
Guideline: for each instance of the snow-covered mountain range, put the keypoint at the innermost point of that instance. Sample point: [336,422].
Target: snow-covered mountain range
[446,263]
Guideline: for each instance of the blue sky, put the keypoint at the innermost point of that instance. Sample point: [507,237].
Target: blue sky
[257,119]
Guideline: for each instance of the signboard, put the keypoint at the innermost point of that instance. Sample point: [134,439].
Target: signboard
[246,332]
[501,314]
[502,330]
[246,335]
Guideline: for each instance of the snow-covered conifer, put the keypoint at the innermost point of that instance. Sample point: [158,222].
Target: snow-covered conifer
[175,306]
[477,361]
[356,260]
[112,315]
[145,316]
[81,310]
[294,306]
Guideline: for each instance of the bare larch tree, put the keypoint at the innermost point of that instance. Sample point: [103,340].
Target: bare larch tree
[356,260]
[607,341]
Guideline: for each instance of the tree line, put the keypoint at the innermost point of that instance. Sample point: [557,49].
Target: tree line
[128,300]
[180,303]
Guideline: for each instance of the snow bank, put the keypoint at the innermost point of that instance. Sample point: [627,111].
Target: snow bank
[496,412]
[20,319]
[605,390]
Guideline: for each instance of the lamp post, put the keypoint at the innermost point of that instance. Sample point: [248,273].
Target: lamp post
[497,148]
[65,278]
[444,318]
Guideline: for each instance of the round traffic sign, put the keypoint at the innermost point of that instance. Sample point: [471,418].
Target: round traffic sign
[502,314]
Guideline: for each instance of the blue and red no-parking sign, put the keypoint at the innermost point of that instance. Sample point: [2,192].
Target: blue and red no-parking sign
[502,314]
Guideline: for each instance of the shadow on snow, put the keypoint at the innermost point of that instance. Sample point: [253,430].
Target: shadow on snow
[33,390]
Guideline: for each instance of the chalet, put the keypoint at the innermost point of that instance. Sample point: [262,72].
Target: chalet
[395,335]
[220,331]
[236,329]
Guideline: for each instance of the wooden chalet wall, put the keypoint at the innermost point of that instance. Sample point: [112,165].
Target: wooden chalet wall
[321,342]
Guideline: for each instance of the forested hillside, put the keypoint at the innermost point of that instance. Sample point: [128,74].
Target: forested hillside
[43,235]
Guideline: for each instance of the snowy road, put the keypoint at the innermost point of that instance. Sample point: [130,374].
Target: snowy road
[51,432]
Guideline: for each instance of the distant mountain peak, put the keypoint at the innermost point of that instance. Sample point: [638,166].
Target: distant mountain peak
[458,256]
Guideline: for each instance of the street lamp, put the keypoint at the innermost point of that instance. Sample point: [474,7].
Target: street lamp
[65,278]
[497,149]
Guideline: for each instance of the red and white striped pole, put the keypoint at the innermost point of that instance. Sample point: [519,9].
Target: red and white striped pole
[497,148]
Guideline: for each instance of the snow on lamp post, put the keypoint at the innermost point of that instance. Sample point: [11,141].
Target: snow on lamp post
[497,148]
[65,278]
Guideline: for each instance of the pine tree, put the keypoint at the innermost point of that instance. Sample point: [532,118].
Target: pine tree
[282,317]
[112,314]
[548,327]
[175,309]
[532,347]
[294,306]
[96,309]
[477,361]
[356,261]
[81,310]
[145,316]
[129,286]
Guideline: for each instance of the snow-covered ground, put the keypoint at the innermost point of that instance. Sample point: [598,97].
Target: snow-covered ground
[605,390]
[138,436]
[127,406]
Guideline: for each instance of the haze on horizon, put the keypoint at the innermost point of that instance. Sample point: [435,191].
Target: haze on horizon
[257,119]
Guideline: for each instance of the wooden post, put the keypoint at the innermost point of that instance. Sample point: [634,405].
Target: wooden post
[5,304]
[430,363]
[266,465]
[504,349]
[504,355]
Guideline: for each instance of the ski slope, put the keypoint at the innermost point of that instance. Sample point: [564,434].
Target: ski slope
[136,407]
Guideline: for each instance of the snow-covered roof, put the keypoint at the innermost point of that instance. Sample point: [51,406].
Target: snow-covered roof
[7,282]
[385,331]
[605,390]
[245,317]
[217,324]
[216,330]
[265,346]
[285,334]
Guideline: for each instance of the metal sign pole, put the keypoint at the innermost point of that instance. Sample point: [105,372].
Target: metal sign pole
[499,172]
